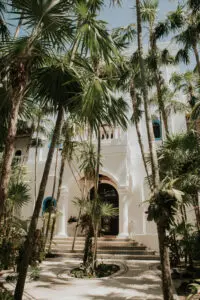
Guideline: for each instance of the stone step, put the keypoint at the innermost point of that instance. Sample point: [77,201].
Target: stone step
[105,248]
[111,256]
[109,251]
[101,242]
[82,238]
[108,248]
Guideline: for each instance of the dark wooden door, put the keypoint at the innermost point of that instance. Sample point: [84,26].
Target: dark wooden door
[108,194]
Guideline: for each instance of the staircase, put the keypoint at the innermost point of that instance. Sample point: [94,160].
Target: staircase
[108,248]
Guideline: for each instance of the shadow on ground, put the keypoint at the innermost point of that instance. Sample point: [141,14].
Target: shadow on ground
[140,282]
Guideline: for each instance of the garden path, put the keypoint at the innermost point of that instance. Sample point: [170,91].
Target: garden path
[139,280]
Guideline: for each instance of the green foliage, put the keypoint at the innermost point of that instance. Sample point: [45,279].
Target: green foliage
[5,295]
[35,273]
[164,205]
[88,160]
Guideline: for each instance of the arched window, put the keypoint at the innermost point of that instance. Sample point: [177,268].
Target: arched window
[18,153]
[47,203]
[157,130]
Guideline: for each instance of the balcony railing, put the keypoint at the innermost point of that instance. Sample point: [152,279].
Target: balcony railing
[108,134]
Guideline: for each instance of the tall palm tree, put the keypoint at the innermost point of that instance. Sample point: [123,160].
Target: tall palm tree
[172,104]
[153,155]
[50,25]
[185,24]
[156,57]
[68,149]
[57,83]
[42,125]
[187,83]
[161,226]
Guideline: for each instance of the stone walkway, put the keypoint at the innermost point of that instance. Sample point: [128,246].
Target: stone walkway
[139,281]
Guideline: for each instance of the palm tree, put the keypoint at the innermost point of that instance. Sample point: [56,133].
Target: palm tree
[153,155]
[129,80]
[50,25]
[179,158]
[57,83]
[163,209]
[172,104]
[189,39]
[68,149]
[42,126]
[51,206]
[156,57]
[185,22]
[161,228]
[187,83]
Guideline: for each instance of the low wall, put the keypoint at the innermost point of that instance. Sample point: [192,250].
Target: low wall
[149,240]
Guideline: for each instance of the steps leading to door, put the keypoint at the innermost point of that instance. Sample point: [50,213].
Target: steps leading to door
[108,248]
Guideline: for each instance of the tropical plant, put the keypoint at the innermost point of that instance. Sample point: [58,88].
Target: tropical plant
[187,83]
[179,158]
[156,57]
[49,80]
[49,25]
[161,227]
[42,127]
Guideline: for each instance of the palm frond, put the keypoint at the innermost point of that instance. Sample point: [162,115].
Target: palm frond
[19,194]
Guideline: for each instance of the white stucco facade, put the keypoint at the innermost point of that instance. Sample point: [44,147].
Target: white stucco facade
[122,164]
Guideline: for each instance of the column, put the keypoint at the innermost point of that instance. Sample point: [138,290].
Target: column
[123,214]
[63,213]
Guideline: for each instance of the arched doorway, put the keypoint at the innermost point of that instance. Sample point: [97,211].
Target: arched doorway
[109,225]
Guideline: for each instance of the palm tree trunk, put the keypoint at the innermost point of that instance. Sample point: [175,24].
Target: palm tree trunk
[36,157]
[80,211]
[62,167]
[52,199]
[96,186]
[16,99]
[94,258]
[88,246]
[158,81]
[98,161]
[134,105]
[161,103]
[149,126]
[164,255]
[165,264]
[196,210]
[196,53]
[23,268]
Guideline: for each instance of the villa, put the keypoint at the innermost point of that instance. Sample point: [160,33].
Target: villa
[122,179]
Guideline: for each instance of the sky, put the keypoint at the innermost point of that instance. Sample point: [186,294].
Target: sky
[125,15]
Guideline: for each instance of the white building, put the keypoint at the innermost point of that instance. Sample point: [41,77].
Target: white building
[122,178]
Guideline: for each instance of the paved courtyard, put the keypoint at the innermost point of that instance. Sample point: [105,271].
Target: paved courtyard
[139,280]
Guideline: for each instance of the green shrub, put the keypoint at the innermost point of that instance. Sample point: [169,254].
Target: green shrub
[5,295]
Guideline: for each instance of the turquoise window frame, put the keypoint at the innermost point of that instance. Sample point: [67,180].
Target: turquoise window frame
[160,125]
[45,201]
